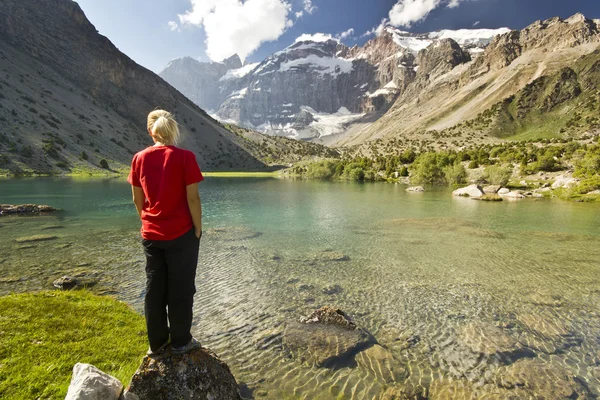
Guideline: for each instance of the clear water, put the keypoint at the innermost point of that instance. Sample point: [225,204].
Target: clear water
[429,275]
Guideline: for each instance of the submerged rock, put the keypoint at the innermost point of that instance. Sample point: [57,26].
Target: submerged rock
[380,362]
[415,189]
[35,238]
[89,383]
[65,283]
[542,380]
[25,209]
[198,374]
[469,191]
[332,289]
[490,340]
[326,338]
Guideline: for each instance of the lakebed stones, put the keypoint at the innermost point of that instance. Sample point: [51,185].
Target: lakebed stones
[380,362]
[6,209]
[469,191]
[35,238]
[89,383]
[548,335]
[326,338]
[490,340]
[416,189]
[542,380]
[330,255]
[332,289]
[198,374]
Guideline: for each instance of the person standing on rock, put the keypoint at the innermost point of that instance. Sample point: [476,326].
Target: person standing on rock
[164,181]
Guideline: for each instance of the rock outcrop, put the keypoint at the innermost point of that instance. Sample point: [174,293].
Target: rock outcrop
[326,338]
[197,375]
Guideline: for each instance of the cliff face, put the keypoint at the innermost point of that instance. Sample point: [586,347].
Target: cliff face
[314,89]
[67,90]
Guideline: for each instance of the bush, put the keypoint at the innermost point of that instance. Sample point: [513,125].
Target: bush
[404,171]
[497,175]
[588,185]
[27,152]
[426,170]
[4,160]
[321,170]
[104,164]
[455,174]
[473,164]
[356,174]
[84,156]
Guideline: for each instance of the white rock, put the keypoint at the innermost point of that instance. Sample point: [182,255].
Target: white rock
[594,192]
[523,183]
[503,191]
[89,383]
[469,191]
[415,189]
[564,182]
[492,189]
[513,195]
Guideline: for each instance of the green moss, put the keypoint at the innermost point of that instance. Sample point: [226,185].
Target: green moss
[45,334]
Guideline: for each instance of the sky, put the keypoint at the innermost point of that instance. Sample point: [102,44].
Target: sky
[154,32]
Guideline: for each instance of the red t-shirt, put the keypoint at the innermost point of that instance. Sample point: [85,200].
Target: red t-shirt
[163,172]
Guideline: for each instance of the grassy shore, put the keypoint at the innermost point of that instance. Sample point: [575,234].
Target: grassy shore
[273,174]
[43,335]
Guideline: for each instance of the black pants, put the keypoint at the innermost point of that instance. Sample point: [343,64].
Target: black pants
[170,275]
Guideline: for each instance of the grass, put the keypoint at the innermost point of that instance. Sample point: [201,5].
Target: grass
[43,335]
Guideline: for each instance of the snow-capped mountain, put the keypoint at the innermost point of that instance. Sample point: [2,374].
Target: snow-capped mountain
[317,86]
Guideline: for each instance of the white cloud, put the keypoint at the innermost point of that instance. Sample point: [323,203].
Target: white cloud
[299,14]
[378,30]
[407,12]
[233,26]
[309,7]
[345,34]
[173,26]
[476,23]
[316,37]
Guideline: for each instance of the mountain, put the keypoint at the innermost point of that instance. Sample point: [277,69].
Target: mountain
[70,99]
[316,88]
[526,84]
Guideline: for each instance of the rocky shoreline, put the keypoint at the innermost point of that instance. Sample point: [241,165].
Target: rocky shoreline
[30,209]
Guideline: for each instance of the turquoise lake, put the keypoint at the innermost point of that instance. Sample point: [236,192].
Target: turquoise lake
[461,294]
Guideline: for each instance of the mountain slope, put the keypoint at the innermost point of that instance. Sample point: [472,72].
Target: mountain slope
[436,109]
[65,90]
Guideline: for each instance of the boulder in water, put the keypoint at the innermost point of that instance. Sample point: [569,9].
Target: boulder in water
[65,283]
[415,189]
[198,374]
[25,209]
[469,191]
[491,189]
[326,338]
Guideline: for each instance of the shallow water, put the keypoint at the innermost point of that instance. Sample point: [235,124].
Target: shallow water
[461,293]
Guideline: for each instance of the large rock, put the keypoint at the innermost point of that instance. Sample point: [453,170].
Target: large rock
[198,374]
[492,189]
[89,383]
[564,182]
[469,191]
[326,338]
[542,380]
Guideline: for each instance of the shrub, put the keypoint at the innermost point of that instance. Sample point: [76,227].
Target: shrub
[356,174]
[4,160]
[426,170]
[404,171]
[473,164]
[497,175]
[321,170]
[455,174]
[103,164]
[588,185]
[84,156]
[27,152]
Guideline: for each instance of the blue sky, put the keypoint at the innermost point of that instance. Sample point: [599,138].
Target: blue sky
[153,32]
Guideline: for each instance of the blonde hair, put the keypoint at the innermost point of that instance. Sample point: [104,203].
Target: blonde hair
[163,127]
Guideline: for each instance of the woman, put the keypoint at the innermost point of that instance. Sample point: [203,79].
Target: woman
[164,181]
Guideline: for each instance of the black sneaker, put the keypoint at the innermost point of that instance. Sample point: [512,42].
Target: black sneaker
[157,352]
[193,344]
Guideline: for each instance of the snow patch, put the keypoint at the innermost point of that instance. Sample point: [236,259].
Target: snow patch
[331,124]
[317,37]
[469,36]
[323,65]
[238,73]
[238,94]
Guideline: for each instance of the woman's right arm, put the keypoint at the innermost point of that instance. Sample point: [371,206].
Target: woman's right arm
[195,205]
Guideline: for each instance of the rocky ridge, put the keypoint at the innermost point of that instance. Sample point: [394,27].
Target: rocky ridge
[315,89]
